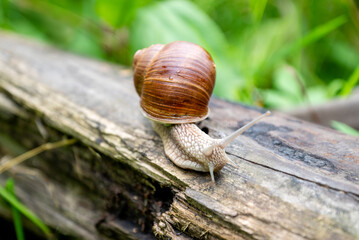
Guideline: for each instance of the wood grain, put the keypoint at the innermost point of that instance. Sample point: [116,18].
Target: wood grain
[291,179]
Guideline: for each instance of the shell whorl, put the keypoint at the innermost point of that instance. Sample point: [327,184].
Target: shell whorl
[141,62]
[175,81]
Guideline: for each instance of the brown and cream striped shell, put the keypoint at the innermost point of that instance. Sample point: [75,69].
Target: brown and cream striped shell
[175,81]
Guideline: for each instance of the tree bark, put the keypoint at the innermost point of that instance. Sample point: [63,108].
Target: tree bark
[290,179]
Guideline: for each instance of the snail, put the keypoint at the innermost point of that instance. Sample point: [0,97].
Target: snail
[175,82]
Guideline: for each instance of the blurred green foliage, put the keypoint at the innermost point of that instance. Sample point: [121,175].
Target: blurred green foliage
[275,54]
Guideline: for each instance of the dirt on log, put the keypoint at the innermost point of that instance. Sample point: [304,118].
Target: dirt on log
[291,179]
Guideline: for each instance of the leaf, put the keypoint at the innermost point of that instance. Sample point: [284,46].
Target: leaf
[258,8]
[83,43]
[350,84]
[317,95]
[175,20]
[335,87]
[25,211]
[286,90]
[3,12]
[9,186]
[344,128]
[117,13]
[343,53]
[276,99]
[286,82]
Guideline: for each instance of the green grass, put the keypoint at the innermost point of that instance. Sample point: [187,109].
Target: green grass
[351,83]
[344,128]
[8,192]
[9,187]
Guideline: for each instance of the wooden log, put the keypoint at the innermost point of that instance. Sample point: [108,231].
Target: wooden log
[291,179]
[345,110]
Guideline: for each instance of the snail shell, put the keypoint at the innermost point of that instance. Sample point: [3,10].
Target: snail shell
[175,81]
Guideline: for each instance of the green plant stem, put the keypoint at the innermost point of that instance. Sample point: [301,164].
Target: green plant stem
[25,211]
[9,186]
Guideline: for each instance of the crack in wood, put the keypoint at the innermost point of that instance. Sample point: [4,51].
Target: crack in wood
[295,175]
[261,134]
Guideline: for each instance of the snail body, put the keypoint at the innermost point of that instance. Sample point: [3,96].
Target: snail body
[175,82]
[184,145]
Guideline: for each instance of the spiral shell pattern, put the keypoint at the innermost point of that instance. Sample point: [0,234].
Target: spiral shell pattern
[175,81]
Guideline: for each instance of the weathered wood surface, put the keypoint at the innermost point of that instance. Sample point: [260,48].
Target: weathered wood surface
[294,180]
